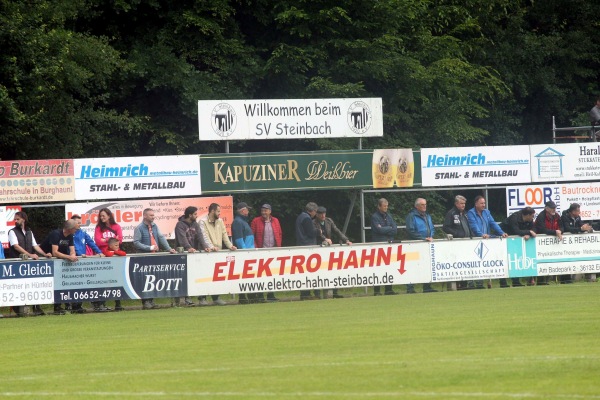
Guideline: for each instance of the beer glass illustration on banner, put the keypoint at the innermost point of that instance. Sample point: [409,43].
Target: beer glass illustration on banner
[405,168]
[384,168]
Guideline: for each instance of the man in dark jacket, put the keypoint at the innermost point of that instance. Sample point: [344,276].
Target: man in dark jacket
[383,229]
[572,222]
[456,222]
[519,223]
[306,235]
[188,236]
[325,230]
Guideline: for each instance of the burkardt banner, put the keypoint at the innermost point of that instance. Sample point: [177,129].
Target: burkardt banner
[289,119]
[459,166]
[31,181]
[129,214]
[565,162]
[136,177]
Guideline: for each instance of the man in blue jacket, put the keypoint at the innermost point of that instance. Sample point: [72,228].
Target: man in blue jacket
[483,225]
[420,227]
[242,238]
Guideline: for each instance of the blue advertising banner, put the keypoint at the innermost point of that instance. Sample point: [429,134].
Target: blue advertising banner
[158,276]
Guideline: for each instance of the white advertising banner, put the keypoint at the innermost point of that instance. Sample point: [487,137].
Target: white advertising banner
[585,194]
[468,259]
[289,119]
[574,254]
[7,216]
[307,268]
[26,282]
[565,162]
[458,166]
[136,177]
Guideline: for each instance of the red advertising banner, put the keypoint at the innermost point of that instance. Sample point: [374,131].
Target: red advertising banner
[128,214]
[29,181]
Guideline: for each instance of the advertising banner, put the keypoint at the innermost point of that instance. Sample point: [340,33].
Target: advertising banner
[231,173]
[547,255]
[468,259]
[289,119]
[136,177]
[307,268]
[31,181]
[459,166]
[26,282]
[158,276]
[129,214]
[587,195]
[393,167]
[565,162]
[91,279]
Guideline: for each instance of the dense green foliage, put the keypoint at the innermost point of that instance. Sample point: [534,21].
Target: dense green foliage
[87,78]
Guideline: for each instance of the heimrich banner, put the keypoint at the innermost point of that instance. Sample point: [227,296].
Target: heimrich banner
[454,166]
[289,119]
[136,177]
[230,173]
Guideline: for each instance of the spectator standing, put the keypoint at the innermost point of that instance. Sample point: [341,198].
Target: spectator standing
[457,225]
[60,244]
[306,235]
[420,227]
[215,238]
[243,238]
[147,238]
[84,244]
[383,229]
[267,234]
[548,222]
[21,241]
[188,236]
[519,223]
[325,229]
[106,228]
[482,225]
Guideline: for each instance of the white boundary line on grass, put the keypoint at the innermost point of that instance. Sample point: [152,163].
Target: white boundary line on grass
[300,394]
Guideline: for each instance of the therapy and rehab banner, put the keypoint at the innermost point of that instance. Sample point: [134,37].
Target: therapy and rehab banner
[459,166]
[129,214]
[228,173]
[31,181]
[565,162]
[289,119]
[307,268]
[136,177]
[547,255]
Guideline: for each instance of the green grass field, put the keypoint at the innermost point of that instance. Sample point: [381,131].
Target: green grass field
[532,342]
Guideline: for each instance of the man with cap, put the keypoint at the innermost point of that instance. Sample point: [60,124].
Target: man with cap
[267,233]
[243,238]
[548,222]
[306,235]
[519,223]
[325,228]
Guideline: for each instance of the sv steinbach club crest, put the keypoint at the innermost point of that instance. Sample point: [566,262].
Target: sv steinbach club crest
[223,119]
[359,117]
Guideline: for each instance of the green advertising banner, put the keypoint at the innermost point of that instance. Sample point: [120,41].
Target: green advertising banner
[344,169]
[286,171]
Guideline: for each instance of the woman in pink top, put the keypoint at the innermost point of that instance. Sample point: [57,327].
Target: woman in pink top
[105,229]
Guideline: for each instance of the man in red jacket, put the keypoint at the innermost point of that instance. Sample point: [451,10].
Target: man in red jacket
[267,233]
